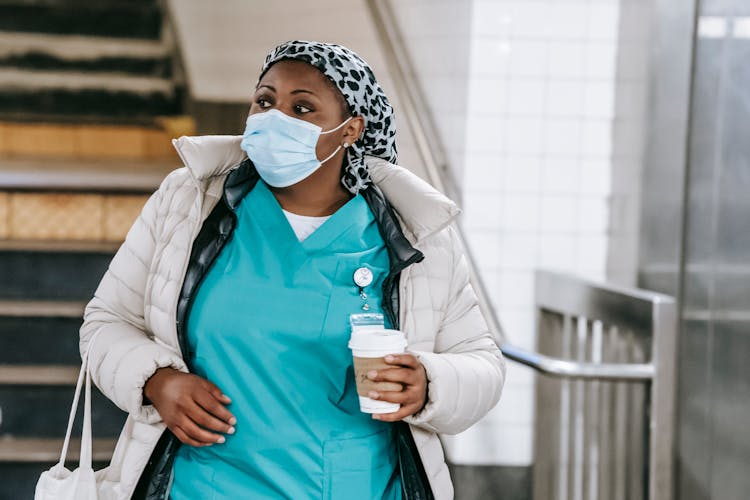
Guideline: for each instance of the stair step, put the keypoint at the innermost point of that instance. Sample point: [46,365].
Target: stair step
[46,216]
[124,66]
[146,147]
[21,335]
[61,246]
[41,309]
[80,53]
[49,449]
[38,374]
[49,275]
[86,93]
[102,18]
[25,325]
[80,47]
[42,411]
[90,104]
[38,80]
[110,175]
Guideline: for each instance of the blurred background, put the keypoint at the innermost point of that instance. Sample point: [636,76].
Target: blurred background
[598,149]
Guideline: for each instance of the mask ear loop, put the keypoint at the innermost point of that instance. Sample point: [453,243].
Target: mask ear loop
[337,127]
[332,154]
[346,144]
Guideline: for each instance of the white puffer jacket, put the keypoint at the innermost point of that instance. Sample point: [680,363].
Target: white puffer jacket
[134,308]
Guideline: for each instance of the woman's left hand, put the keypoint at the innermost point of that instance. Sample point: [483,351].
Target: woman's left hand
[410,372]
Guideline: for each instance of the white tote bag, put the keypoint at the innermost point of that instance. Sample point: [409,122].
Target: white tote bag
[59,483]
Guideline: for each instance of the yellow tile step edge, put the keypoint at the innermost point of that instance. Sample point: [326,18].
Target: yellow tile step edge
[93,141]
[53,216]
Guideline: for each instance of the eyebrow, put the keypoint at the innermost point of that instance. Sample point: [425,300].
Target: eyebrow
[297,91]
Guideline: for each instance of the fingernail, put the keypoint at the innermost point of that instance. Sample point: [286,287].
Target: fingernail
[389,358]
[376,416]
[226,397]
[372,374]
[220,439]
[231,430]
[373,395]
[232,421]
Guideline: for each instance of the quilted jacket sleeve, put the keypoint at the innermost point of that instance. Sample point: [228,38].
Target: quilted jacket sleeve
[466,371]
[124,354]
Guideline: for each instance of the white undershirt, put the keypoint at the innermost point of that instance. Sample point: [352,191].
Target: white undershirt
[304,225]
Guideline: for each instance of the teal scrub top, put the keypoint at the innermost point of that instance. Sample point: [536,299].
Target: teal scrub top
[269,326]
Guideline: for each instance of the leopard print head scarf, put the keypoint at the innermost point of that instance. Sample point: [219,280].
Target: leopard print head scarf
[356,81]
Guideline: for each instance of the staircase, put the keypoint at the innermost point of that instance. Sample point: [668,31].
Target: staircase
[83,60]
[90,97]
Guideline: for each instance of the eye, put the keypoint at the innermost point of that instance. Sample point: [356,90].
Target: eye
[302,109]
[263,102]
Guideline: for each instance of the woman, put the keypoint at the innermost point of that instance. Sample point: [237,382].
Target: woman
[224,317]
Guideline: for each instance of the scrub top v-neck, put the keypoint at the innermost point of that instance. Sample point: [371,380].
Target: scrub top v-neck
[269,326]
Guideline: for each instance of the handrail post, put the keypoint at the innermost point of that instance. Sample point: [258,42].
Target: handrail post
[663,416]
[639,393]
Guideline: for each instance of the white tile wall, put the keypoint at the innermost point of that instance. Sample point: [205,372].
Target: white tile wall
[537,174]
[437,33]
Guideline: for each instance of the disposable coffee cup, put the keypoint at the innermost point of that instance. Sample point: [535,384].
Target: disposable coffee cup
[369,348]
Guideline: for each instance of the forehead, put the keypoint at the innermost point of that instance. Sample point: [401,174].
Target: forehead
[294,73]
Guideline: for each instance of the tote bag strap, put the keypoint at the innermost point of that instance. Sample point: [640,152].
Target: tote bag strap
[85,455]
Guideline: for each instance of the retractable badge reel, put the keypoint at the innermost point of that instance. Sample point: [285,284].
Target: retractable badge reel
[363,278]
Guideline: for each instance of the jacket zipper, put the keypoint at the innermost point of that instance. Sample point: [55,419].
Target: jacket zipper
[402,297]
[193,235]
[186,261]
[169,484]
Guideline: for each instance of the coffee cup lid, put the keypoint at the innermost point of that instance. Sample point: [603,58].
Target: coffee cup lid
[378,340]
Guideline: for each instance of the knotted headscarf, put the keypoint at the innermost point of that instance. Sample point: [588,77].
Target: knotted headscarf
[356,81]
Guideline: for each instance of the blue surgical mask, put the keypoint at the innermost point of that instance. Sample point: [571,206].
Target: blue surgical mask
[282,148]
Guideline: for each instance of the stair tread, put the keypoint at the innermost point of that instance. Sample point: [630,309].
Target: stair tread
[112,19]
[80,47]
[42,308]
[92,105]
[48,449]
[57,246]
[38,374]
[49,274]
[158,68]
[32,79]
[62,118]
[84,175]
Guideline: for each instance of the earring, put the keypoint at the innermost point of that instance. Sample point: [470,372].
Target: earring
[346,145]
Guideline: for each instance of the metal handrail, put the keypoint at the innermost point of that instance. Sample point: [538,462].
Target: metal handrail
[573,369]
[633,308]
[571,312]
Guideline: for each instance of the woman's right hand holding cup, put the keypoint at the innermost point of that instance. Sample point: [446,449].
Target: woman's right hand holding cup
[191,406]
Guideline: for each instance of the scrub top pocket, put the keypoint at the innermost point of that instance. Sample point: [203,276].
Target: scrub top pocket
[355,465]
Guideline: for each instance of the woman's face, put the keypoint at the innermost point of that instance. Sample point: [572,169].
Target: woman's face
[301,91]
